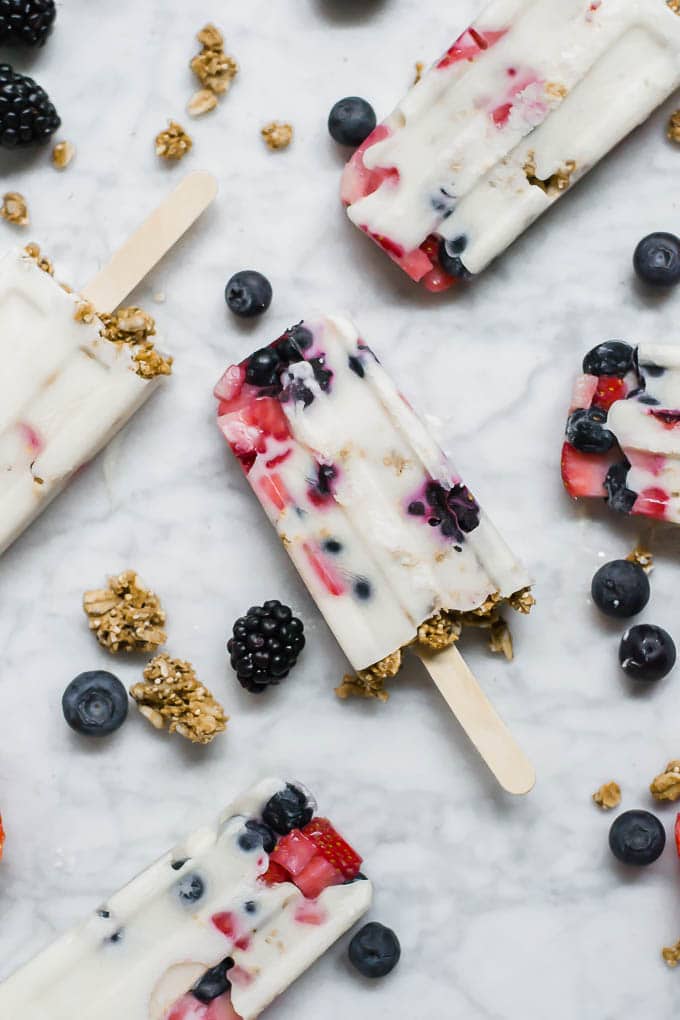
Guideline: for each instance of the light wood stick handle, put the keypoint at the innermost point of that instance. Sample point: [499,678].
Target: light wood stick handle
[479,719]
[151,242]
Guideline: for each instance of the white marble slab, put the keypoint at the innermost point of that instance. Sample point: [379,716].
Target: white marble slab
[507,910]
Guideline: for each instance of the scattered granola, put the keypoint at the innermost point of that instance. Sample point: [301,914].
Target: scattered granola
[134,327]
[14,209]
[33,252]
[556,183]
[126,616]
[201,102]
[666,786]
[370,683]
[642,557]
[173,143]
[420,67]
[671,954]
[62,154]
[214,69]
[608,796]
[172,697]
[277,135]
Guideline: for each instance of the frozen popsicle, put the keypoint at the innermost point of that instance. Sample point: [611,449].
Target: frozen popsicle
[516,111]
[623,432]
[70,379]
[214,930]
[389,540]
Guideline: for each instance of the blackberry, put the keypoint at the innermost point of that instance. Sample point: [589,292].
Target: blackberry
[27,117]
[26,21]
[265,645]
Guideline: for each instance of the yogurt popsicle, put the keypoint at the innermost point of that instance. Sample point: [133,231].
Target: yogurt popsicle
[623,431]
[214,930]
[516,111]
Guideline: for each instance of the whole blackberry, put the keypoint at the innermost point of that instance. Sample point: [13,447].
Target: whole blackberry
[26,21]
[27,117]
[265,645]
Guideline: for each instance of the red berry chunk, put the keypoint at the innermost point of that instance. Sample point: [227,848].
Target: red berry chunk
[2,837]
[317,876]
[274,875]
[333,847]
[677,834]
[293,852]
[189,1008]
[609,390]
[583,474]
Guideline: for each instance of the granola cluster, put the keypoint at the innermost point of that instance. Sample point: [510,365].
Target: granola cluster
[62,154]
[608,796]
[674,6]
[370,683]
[172,697]
[556,183]
[666,786]
[671,954]
[14,209]
[173,143]
[277,136]
[33,252]
[135,327]
[214,68]
[126,616]
[642,557]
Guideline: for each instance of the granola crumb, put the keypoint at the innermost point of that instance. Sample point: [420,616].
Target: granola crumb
[608,796]
[201,102]
[420,67]
[126,616]
[62,154]
[85,312]
[14,209]
[173,143]
[674,6]
[555,184]
[277,135]
[135,327]
[214,68]
[671,954]
[440,631]
[370,683]
[33,252]
[171,696]
[642,557]
[666,786]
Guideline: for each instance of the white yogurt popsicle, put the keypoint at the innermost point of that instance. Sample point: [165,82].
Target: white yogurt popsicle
[65,390]
[382,529]
[517,110]
[214,930]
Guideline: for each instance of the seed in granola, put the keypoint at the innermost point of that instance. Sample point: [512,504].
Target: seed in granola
[173,143]
[608,796]
[172,697]
[126,616]
[14,209]
[277,136]
[201,102]
[666,786]
[62,154]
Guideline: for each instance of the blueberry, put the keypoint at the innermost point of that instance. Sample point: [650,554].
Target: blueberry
[657,259]
[450,260]
[619,496]
[263,367]
[289,809]
[351,121]
[417,508]
[265,837]
[637,837]
[620,588]
[293,343]
[614,357]
[375,950]
[95,703]
[356,366]
[190,888]
[332,546]
[362,589]
[586,432]
[647,652]
[248,293]
[214,982]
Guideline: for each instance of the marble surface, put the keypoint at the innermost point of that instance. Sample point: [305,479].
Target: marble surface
[507,909]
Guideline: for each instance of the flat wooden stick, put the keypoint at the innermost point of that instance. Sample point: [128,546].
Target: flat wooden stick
[147,246]
[479,719]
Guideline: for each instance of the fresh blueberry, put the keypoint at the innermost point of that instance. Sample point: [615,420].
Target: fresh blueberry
[214,982]
[190,888]
[614,357]
[263,367]
[289,809]
[95,703]
[249,841]
[450,260]
[619,496]
[332,546]
[657,259]
[265,836]
[178,865]
[647,652]
[248,293]
[586,431]
[250,906]
[362,589]
[351,121]
[356,366]
[637,837]
[620,589]
[325,478]
[375,950]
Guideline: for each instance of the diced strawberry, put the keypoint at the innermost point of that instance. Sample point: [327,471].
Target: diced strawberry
[317,876]
[357,179]
[328,575]
[609,390]
[309,911]
[269,417]
[230,925]
[585,389]
[652,502]
[500,115]
[293,852]
[271,488]
[32,438]
[222,1009]
[231,383]
[469,45]
[2,837]
[677,834]
[583,474]
[189,1008]
[415,263]
[669,419]
[274,875]
[334,848]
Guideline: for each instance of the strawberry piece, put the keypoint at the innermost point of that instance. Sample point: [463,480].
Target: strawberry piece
[328,575]
[317,876]
[274,875]
[2,837]
[652,502]
[585,389]
[222,1009]
[229,924]
[609,389]
[583,474]
[677,834]
[357,179]
[469,45]
[293,852]
[333,847]
[230,385]
[189,1008]
[272,488]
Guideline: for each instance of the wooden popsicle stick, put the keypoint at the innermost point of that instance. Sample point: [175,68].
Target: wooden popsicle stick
[147,246]
[479,719]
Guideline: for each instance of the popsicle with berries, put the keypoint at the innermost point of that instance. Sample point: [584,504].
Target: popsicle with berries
[214,930]
[516,111]
[623,432]
[390,541]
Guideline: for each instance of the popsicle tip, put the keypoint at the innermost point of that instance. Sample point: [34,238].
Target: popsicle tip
[521,783]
